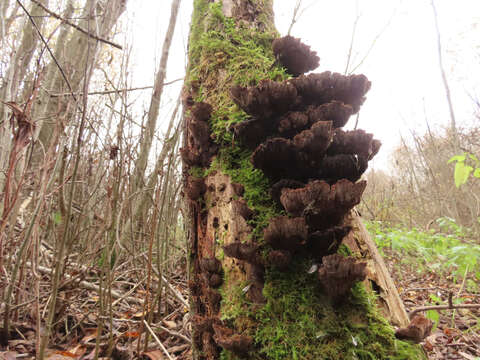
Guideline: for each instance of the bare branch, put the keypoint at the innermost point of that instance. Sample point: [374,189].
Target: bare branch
[444,77]
[115,91]
[76,27]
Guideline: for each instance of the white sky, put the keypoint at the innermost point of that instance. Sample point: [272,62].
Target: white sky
[403,64]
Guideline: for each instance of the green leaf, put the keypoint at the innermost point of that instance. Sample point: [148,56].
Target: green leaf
[434,316]
[57,218]
[473,157]
[457,158]
[476,173]
[462,172]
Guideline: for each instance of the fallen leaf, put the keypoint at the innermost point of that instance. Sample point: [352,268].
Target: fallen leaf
[155,355]
[8,355]
[467,356]
[131,334]
[170,324]
[90,334]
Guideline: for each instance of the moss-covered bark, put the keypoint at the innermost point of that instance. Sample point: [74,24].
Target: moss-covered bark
[255,313]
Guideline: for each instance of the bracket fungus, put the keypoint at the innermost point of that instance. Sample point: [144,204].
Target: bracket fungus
[194,187]
[199,146]
[284,233]
[294,55]
[338,274]
[326,242]
[265,100]
[418,329]
[292,131]
[323,206]
[225,337]
[244,252]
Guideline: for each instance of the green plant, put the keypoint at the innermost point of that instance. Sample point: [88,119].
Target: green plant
[465,164]
[448,251]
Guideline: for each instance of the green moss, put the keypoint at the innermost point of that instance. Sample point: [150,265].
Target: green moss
[197,172]
[298,321]
[344,250]
[237,55]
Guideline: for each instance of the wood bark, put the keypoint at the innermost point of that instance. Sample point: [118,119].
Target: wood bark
[242,306]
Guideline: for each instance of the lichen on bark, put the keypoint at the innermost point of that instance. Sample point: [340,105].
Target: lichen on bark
[279,314]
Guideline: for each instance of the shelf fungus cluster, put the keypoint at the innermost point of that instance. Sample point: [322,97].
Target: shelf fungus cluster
[199,146]
[295,133]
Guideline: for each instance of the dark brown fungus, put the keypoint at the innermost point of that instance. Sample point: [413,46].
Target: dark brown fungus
[209,346]
[215,280]
[242,251]
[321,88]
[194,287]
[284,233]
[212,265]
[322,243]
[280,258]
[295,56]
[201,111]
[255,274]
[276,189]
[335,111]
[199,147]
[240,345]
[195,187]
[322,205]
[267,99]
[238,189]
[204,323]
[354,142]
[292,123]
[315,140]
[342,166]
[376,144]
[213,298]
[338,274]
[418,329]
[251,132]
[241,208]
[277,158]
[197,340]
[190,156]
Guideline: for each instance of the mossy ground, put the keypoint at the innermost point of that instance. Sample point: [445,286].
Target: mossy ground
[297,321]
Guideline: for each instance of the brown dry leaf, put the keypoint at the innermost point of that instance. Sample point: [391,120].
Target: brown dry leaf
[8,355]
[131,334]
[139,314]
[467,356]
[25,126]
[155,355]
[90,334]
[450,332]
[170,324]
[73,353]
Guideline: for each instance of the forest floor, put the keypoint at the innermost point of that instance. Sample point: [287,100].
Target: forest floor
[456,333]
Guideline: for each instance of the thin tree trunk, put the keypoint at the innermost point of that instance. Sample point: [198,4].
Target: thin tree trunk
[74,53]
[15,76]
[256,292]
[146,143]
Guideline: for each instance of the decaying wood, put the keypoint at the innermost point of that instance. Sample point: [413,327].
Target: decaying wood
[378,277]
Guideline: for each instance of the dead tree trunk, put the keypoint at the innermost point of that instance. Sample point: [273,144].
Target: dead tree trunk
[280,265]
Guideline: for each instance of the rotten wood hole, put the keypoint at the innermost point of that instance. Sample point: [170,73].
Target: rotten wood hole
[294,131]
